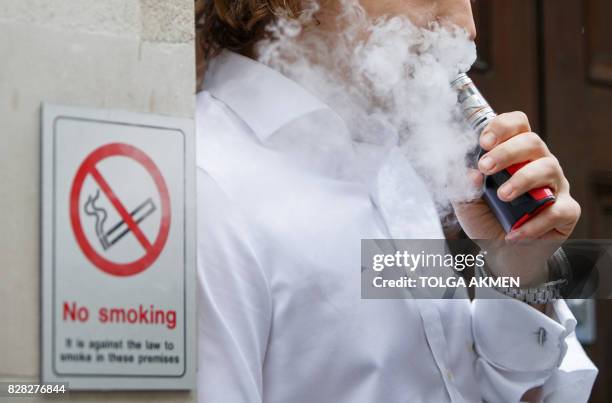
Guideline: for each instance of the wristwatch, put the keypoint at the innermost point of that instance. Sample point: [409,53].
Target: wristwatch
[559,270]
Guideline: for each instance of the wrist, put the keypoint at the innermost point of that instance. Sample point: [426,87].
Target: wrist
[541,286]
[529,273]
[537,276]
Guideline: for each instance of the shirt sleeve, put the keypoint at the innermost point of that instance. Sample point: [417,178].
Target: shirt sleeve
[519,348]
[234,312]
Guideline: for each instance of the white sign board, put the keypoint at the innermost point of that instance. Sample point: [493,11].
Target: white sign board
[118,250]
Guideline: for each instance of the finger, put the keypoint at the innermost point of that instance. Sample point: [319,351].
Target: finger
[503,127]
[524,147]
[476,178]
[560,217]
[539,173]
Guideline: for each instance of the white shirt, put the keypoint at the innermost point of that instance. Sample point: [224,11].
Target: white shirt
[281,317]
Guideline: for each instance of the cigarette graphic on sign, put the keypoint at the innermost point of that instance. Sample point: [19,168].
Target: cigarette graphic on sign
[120,229]
[86,209]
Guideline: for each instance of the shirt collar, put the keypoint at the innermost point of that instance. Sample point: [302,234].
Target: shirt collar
[262,97]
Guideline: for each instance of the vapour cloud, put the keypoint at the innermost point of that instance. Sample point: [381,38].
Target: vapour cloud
[389,81]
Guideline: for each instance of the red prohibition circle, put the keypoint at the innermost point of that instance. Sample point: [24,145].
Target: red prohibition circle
[88,167]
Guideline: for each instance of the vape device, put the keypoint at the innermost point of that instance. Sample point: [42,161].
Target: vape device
[514,214]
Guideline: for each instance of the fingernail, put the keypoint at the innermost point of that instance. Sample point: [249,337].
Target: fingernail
[488,140]
[506,191]
[513,236]
[486,163]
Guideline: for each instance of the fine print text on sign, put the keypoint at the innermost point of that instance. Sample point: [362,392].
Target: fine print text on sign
[118,250]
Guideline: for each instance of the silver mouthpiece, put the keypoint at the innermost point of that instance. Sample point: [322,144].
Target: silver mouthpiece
[474,106]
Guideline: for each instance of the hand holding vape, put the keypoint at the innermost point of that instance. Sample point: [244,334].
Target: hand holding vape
[514,214]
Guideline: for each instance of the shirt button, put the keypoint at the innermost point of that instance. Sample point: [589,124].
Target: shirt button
[449,375]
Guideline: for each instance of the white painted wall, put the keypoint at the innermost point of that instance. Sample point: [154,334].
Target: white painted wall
[136,55]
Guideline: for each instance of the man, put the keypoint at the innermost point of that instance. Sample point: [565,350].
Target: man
[281,316]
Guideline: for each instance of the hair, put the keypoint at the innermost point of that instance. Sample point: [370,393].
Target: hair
[235,25]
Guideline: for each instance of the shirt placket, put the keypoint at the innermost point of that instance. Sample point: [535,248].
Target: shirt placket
[434,332]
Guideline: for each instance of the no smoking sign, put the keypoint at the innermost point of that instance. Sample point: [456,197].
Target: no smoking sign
[118,250]
[108,235]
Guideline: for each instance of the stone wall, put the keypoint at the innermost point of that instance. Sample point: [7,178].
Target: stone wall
[134,55]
